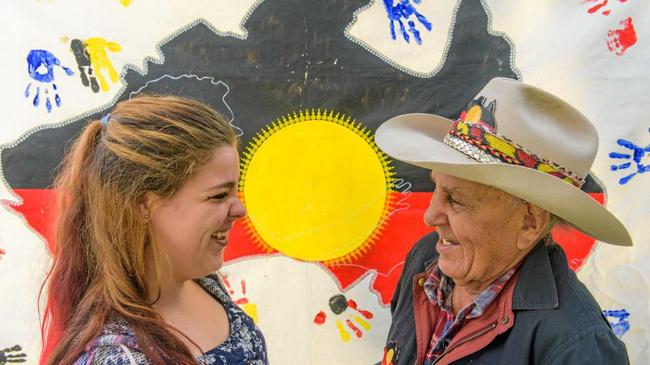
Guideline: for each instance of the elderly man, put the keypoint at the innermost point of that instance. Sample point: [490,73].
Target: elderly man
[490,286]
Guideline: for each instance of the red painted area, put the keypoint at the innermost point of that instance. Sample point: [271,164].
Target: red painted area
[241,301]
[352,304]
[243,287]
[354,328]
[385,256]
[619,40]
[597,7]
[227,283]
[320,318]
[576,244]
[37,208]
[365,313]
[601,4]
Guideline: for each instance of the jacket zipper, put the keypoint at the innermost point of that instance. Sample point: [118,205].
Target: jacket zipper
[471,337]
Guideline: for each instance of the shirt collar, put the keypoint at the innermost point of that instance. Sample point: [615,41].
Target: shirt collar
[438,288]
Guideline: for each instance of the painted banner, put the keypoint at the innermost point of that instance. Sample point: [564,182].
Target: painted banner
[305,84]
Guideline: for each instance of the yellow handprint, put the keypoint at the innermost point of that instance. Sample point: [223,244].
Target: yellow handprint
[96,48]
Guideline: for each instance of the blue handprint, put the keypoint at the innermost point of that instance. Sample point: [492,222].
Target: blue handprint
[620,326]
[637,154]
[402,11]
[40,66]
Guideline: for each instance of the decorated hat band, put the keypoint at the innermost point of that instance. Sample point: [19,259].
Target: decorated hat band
[477,141]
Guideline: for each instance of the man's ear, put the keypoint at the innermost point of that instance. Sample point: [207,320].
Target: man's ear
[146,204]
[533,226]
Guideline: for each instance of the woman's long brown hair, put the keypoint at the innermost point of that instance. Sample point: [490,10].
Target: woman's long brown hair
[103,246]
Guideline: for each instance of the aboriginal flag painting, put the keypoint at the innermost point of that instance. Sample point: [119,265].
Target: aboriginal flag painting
[305,84]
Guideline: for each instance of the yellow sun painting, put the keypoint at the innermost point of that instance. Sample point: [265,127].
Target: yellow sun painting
[316,187]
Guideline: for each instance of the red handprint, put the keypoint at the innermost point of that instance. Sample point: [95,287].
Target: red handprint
[619,40]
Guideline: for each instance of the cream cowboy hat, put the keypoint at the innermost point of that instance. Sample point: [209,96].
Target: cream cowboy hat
[519,139]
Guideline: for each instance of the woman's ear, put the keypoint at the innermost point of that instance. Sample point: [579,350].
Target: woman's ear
[146,203]
[534,224]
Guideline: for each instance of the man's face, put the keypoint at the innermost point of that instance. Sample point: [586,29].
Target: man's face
[478,228]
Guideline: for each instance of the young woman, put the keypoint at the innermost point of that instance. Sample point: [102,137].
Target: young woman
[147,197]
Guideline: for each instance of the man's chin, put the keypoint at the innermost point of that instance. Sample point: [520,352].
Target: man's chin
[451,269]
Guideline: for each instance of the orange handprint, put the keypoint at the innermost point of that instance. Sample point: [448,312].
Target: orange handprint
[243,302]
[339,304]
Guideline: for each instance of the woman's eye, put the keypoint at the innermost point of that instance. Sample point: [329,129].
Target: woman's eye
[221,196]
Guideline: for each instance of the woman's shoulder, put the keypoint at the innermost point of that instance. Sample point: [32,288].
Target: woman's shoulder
[116,345]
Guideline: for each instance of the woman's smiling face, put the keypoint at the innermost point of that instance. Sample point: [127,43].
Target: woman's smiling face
[192,225]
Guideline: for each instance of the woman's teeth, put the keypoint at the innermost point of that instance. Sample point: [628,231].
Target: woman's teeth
[220,235]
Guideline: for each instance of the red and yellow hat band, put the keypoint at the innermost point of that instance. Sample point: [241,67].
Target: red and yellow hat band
[477,141]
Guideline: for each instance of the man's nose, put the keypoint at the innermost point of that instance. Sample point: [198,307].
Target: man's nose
[434,215]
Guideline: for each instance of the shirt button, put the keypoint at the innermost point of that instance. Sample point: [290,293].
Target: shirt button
[421,282]
[505,320]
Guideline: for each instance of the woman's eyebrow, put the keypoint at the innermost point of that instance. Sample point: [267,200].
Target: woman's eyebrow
[224,185]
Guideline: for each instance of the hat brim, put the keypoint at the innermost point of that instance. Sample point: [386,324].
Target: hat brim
[417,139]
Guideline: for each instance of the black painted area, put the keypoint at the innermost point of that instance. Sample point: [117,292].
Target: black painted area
[296,56]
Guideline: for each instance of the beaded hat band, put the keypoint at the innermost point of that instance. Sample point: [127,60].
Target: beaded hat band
[477,141]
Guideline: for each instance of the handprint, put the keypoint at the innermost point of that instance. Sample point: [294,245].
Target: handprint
[8,356]
[402,12]
[243,302]
[339,304]
[40,66]
[92,60]
[637,154]
[83,62]
[619,40]
[621,325]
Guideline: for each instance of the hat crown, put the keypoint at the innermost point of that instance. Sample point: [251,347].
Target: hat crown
[542,123]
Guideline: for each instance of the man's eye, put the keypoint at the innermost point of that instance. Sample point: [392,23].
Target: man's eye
[451,200]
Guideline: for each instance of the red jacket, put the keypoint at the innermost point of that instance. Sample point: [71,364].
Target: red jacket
[475,334]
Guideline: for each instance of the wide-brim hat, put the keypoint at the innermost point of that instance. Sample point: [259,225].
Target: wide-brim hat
[517,138]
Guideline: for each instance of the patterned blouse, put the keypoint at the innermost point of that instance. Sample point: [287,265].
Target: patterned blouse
[117,344]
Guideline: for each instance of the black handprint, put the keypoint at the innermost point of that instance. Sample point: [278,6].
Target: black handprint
[83,62]
[7,356]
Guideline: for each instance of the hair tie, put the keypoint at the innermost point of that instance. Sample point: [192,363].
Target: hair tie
[104,120]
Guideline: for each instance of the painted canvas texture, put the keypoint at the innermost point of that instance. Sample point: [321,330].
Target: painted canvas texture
[305,84]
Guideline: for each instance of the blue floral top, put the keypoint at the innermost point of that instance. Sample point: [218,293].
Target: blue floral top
[117,344]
